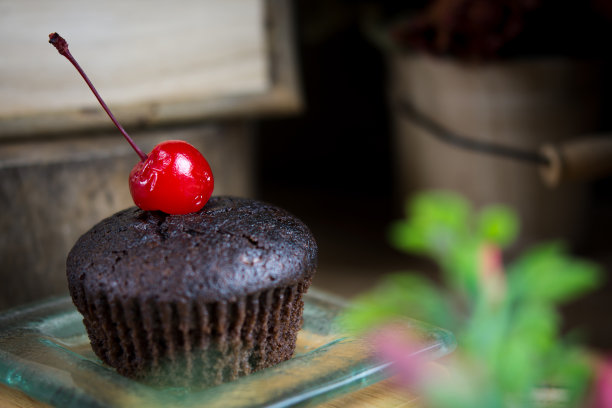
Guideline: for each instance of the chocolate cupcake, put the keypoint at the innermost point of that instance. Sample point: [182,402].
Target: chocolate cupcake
[193,299]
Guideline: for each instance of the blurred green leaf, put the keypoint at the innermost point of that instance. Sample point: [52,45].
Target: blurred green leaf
[436,221]
[506,324]
[396,296]
[440,208]
[464,391]
[498,225]
[518,370]
[569,367]
[536,325]
[531,336]
[547,274]
[460,269]
[403,236]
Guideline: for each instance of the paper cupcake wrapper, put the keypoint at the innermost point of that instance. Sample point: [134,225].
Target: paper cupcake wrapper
[194,344]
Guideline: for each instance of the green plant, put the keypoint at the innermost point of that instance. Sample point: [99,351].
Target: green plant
[505,319]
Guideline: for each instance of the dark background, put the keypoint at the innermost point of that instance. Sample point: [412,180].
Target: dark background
[331,165]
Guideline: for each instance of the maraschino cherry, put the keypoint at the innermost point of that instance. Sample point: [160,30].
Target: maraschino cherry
[174,178]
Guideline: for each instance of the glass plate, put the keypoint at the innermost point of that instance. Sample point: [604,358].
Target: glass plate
[45,352]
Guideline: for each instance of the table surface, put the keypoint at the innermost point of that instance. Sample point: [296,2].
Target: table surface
[380,395]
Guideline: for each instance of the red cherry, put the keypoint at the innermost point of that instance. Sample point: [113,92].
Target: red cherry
[175,178]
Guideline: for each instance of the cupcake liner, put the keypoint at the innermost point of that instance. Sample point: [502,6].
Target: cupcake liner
[193,344]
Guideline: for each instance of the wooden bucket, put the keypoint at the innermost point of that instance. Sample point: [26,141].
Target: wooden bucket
[524,104]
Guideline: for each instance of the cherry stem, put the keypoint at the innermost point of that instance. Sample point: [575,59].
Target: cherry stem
[62,47]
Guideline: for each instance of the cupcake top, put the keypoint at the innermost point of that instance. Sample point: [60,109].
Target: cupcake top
[231,248]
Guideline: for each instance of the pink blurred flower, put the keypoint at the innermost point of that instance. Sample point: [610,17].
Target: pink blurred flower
[491,274]
[602,391]
[407,355]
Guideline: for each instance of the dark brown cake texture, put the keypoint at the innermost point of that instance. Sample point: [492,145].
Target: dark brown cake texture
[193,299]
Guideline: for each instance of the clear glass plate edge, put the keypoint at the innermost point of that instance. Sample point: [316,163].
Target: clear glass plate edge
[42,390]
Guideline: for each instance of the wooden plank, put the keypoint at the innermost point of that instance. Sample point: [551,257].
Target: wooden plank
[380,395]
[13,398]
[153,61]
